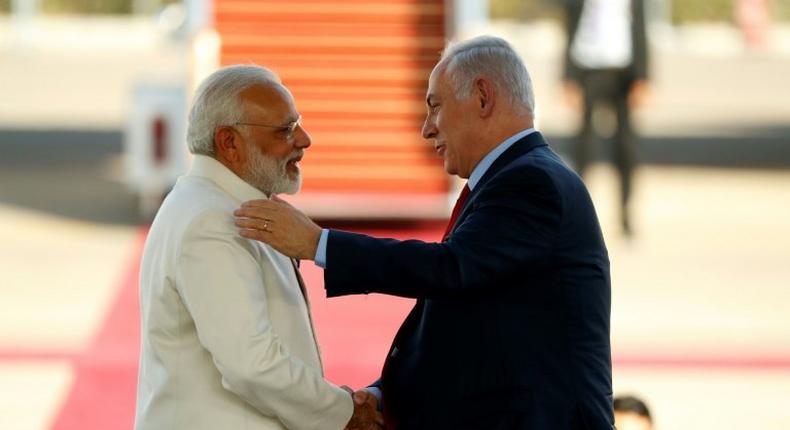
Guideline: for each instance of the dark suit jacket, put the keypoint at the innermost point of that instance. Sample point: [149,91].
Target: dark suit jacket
[511,326]
[638,69]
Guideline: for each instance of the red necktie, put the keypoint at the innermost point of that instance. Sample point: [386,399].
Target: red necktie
[456,211]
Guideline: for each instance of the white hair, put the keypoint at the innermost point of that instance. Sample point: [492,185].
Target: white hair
[217,103]
[495,59]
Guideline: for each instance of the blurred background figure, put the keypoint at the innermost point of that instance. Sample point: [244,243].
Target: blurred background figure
[631,413]
[754,19]
[606,66]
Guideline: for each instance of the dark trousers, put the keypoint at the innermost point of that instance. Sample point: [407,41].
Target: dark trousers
[608,87]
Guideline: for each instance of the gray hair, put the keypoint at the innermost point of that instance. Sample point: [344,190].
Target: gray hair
[495,59]
[217,103]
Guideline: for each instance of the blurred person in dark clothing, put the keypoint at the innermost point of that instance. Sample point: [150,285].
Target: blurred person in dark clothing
[606,64]
[631,413]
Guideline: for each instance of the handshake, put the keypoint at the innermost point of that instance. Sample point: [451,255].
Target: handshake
[366,412]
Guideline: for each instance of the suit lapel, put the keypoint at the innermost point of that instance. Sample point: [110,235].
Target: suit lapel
[518,149]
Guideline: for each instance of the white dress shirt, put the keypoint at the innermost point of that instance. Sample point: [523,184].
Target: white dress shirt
[603,39]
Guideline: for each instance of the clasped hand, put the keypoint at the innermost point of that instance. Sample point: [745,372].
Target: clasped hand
[366,415]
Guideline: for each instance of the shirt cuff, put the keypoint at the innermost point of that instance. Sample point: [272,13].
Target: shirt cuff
[320,253]
[377,394]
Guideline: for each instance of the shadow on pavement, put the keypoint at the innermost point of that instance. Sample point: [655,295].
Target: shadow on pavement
[73,174]
[748,148]
[79,174]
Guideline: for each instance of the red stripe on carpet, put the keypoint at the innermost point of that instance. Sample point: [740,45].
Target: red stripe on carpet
[366,337]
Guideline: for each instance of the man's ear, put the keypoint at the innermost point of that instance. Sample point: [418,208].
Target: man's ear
[486,96]
[225,144]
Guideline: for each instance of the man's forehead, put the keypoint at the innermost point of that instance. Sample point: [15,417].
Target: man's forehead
[273,100]
[437,72]
[434,82]
[269,93]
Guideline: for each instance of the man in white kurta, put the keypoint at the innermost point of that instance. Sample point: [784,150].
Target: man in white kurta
[227,337]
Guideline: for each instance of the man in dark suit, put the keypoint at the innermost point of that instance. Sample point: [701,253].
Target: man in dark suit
[606,62]
[511,325]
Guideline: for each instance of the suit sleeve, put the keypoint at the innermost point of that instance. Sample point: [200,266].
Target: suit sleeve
[511,229]
[221,284]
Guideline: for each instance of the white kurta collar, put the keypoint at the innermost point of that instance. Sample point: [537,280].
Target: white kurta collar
[207,167]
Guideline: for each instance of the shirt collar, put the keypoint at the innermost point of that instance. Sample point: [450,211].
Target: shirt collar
[207,167]
[489,159]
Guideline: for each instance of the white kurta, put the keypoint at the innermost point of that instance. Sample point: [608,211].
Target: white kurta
[227,340]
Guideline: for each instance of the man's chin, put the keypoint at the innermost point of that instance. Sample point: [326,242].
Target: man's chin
[293,186]
[449,168]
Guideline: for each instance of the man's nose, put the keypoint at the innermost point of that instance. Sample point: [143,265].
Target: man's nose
[429,129]
[303,138]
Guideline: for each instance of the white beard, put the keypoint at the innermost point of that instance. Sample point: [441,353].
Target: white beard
[270,175]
